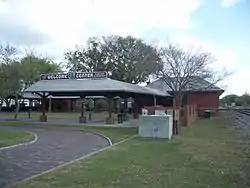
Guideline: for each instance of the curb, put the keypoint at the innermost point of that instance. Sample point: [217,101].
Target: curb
[22,144]
[101,135]
[70,162]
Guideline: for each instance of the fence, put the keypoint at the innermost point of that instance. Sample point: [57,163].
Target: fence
[190,114]
[185,116]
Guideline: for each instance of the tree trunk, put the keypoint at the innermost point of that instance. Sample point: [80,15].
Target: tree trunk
[7,101]
[1,104]
[177,103]
[17,106]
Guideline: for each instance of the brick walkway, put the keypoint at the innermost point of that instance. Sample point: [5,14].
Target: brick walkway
[54,147]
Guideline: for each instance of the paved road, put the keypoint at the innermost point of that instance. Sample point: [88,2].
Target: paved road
[53,147]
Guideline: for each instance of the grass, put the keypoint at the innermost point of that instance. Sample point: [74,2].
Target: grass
[55,115]
[8,138]
[208,154]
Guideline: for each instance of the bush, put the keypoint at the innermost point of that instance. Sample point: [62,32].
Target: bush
[101,105]
[90,104]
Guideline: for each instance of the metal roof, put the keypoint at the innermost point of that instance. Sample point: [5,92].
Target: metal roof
[28,95]
[107,85]
[197,85]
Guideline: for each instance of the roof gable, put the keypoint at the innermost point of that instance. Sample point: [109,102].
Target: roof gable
[197,85]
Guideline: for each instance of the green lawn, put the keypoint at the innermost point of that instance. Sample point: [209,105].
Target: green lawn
[55,115]
[8,138]
[209,154]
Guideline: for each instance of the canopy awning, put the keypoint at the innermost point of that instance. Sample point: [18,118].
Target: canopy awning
[87,87]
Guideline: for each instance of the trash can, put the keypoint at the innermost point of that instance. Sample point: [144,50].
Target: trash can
[119,118]
[207,114]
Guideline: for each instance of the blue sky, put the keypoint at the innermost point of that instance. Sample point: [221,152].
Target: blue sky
[220,26]
[227,27]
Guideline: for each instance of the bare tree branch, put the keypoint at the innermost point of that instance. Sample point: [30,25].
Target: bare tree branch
[188,70]
[8,54]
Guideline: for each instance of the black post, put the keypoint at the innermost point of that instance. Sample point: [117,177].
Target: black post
[90,110]
[136,108]
[110,112]
[43,106]
[43,117]
[155,101]
[50,104]
[82,118]
[109,119]
[30,102]
[125,105]
[90,115]
[82,108]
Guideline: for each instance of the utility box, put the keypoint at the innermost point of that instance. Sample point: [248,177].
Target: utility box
[156,126]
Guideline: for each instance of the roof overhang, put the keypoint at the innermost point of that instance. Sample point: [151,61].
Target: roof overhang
[91,87]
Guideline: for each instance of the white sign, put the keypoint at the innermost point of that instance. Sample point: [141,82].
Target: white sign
[160,113]
[170,112]
[84,101]
[144,112]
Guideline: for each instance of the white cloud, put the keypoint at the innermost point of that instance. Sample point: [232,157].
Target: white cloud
[228,3]
[225,57]
[118,17]
[236,83]
[71,22]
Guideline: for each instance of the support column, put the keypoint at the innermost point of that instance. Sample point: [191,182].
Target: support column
[69,101]
[30,104]
[109,119]
[50,104]
[43,117]
[90,109]
[155,101]
[82,118]
[125,117]
[136,108]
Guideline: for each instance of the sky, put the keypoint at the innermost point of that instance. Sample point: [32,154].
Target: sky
[52,27]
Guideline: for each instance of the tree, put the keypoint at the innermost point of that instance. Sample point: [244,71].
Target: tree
[243,100]
[183,70]
[8,54]
[8,68]
[30,68]
[8,84]
[126,58]
[18,74]
[229,99]
[89,58]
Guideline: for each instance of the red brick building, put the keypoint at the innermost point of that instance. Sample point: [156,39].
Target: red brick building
[200,92]
[206,100]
